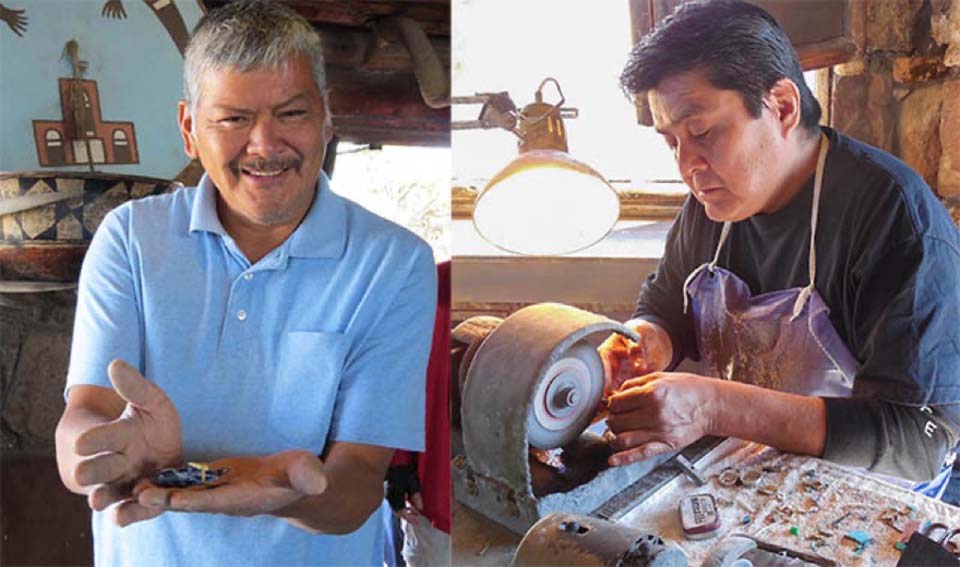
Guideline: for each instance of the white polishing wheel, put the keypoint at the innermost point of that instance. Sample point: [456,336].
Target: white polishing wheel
[566,399]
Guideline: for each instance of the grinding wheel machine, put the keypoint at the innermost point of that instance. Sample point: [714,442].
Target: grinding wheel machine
[527,391]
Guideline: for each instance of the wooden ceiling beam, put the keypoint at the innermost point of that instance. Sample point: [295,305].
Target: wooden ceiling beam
[343,46]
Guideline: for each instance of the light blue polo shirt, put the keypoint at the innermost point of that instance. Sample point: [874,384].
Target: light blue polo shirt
[324,339]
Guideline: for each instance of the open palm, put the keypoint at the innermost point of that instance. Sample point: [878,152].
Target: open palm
[250,486]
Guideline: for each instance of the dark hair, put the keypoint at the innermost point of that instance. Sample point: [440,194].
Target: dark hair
[739,47]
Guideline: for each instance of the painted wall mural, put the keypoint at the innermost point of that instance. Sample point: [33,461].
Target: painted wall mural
[95,84]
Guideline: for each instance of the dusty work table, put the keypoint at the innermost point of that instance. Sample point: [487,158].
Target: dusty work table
[801,503]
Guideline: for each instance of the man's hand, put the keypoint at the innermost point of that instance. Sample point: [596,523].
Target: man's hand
[658,413]
[403,487]
[624,359]
[666,411]
[251,486]
[145,437]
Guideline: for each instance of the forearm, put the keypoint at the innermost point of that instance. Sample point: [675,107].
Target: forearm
[354,491]
[789,422]
[904,441]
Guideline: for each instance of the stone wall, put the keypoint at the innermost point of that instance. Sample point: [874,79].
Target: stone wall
[902,92]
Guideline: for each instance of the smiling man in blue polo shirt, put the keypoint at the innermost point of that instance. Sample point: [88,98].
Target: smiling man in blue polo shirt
[258,322]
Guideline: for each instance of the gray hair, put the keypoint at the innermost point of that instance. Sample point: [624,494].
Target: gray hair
[247,35]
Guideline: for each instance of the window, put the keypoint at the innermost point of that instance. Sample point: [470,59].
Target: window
[512,46]
[501,45]
[406,184]
[54,140]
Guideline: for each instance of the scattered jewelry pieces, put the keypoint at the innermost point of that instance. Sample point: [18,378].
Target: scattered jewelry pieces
[861,538]
[746,505]
[723,501]
[728,478]
[837,522]
[769,490]
[809,505]
[751,477]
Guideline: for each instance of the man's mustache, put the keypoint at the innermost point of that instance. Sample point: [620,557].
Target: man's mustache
[265,164]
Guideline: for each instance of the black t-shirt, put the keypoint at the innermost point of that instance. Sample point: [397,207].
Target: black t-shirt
[888,267]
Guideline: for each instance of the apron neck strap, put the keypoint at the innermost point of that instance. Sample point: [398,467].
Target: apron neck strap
[724,233]
[814,212]
[812,264]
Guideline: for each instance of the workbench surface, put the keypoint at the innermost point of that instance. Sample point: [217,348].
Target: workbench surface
[821,501]
[801,503]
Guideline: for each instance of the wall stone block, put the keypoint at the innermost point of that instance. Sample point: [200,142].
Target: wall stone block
[949,177]
[919,131]
[34,399]
[945,29]
[890,24]
[918,69]
[864,107]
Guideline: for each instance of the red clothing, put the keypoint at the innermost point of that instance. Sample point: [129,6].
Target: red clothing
[433,465]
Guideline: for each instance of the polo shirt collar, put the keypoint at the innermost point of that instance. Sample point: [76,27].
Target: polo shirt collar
[203,216]
[321,234]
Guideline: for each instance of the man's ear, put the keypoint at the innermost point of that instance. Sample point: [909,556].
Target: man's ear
[327,118]
[783,100]
[186,130]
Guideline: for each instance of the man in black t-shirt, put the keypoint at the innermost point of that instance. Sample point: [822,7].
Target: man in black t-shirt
[818,275]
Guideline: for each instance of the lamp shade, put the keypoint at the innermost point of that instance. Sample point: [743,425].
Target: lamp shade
[546,203]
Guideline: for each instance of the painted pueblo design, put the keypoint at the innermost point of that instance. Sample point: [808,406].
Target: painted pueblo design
[70,219]
[82,136]
[51,218]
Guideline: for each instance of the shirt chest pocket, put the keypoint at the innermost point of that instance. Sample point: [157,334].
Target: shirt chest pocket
[308,371]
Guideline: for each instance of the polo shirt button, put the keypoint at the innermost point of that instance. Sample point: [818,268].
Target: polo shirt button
[242,315]
[248,277]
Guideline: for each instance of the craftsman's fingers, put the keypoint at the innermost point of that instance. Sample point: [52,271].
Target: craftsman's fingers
[113,436]
[103,495]
[105,467]
[611,369]
[131,511]
[631,439]
[640,453]
[635,394]
[133,387]
[622,423]
[612,352]
[306,474]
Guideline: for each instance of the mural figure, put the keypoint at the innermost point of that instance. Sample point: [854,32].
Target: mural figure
[16,19]
[166,11]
